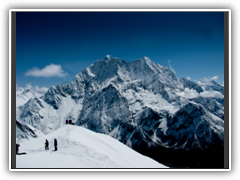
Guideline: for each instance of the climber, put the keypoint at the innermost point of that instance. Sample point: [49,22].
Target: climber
[46,145]
[55,144]
[17,145]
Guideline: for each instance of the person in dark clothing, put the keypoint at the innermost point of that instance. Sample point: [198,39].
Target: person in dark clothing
[55,144]
[66,121]
[17,145]
[46,145]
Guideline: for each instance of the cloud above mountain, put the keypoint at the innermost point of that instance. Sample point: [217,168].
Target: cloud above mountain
[169,62]
[37,89]
[51,70]
[214,78]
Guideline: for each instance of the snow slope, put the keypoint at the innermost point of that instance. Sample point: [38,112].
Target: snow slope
[80,148]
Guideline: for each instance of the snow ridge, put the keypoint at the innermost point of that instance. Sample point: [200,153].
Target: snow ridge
[81,148]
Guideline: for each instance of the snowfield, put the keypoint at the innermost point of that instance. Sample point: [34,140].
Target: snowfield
[80,148]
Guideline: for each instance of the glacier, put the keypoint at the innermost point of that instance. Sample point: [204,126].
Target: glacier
[141,104]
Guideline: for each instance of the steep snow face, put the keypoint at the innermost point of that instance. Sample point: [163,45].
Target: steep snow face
[107,68]
[53,96]
[103,111]
[26,131]
[80,148]
[102,71]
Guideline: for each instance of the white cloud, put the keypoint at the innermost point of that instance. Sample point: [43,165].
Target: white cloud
[29,86]
[214,94]
[37,89]
[51,70]
[188,78]
[188,94]
[206,94]
[41,90]
[214,78]
[169,62]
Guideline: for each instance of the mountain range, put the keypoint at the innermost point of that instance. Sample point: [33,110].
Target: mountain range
[144,105]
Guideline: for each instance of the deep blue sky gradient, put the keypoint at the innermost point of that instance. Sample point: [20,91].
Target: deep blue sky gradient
[192,41]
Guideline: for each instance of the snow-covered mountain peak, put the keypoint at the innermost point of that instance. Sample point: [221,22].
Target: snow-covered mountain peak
[209,82]
[204,81]
[142,104]
[24,94]
[210,85]
[107,57]
[109,69]
[146,59]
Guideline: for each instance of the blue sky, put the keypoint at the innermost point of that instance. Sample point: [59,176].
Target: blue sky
[52,47]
